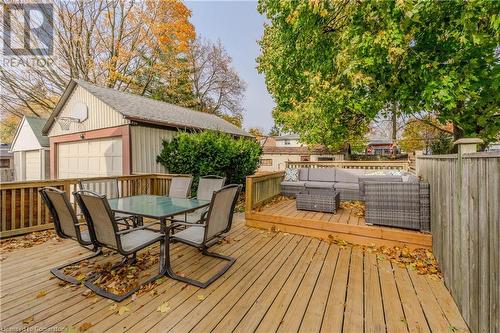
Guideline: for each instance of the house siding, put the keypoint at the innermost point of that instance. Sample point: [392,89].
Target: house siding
[100,115]
[146,144]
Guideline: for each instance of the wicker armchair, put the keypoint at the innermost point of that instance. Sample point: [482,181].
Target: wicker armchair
[396,204]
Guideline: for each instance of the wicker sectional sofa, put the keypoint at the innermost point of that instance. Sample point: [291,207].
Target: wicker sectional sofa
[348,182]
[390,200]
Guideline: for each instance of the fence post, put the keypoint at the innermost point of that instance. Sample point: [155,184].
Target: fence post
[417,167]
[465,146]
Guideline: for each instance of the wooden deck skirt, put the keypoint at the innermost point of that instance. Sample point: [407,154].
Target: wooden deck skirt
[280,283]
[344,224]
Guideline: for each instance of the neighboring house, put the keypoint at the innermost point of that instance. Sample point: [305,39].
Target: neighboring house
[379,146]
[31,150]
[280,149]
[6,163]
[97,131]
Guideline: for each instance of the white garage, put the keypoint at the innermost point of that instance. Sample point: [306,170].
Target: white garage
[98,131]
[90,158]
[31,151]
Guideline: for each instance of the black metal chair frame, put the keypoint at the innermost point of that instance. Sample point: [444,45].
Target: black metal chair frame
[206,244]
[58,271]
[89,283]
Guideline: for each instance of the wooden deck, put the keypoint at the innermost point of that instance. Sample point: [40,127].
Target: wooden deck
[280,283]
[345,224]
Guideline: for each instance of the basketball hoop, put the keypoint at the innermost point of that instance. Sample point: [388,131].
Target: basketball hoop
[65,122]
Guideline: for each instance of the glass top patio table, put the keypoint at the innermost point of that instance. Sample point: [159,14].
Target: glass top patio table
[155,206]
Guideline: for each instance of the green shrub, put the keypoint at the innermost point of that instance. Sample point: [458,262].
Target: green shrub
[211,153]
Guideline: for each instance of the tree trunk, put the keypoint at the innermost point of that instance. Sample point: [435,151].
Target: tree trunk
[458,133]
[394,121]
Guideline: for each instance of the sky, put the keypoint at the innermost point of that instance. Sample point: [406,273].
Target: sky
[239,26]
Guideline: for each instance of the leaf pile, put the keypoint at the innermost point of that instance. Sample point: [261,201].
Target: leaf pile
[420,260]
[27,241]
[240,204]
[117,280]
[121,279]
[358,207]
[276,200]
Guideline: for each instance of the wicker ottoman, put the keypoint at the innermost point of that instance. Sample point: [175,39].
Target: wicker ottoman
[318,202]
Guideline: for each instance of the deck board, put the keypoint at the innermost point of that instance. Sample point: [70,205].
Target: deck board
[280,282]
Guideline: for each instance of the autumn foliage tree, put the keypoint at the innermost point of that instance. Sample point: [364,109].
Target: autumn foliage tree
[423,134]
[332,66]
[144,47]
[113,43]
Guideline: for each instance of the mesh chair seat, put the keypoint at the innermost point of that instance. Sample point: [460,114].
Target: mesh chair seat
[193,217]
[123,216]
[192,234]
[86,236]
[138,238]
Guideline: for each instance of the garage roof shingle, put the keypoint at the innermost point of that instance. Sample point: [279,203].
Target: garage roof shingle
[147,110]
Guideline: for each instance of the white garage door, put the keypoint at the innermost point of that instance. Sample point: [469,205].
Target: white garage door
[90,158]
[33,166]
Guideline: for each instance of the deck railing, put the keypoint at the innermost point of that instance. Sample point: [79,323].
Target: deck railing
[22,210]
[262,187]
[377,165]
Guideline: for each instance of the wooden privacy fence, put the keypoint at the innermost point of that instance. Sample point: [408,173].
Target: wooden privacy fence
[465,224]
[262,187]
[22,210]
[375,165]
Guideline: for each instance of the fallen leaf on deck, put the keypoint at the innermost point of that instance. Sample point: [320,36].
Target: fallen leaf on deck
[41,294]
[163,308]
[122,310]
[87,293]
[30,240]
[28,320]
[201,297]
[84,326]
[70,329]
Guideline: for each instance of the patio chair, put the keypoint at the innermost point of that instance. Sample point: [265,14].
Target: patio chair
[110,188]
[105,232]
[180,187]
[206,187]
[216,222]
[67,226]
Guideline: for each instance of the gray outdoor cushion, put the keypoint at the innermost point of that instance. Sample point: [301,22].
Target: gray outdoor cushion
[193,217]
[347,176]
[303,174]
[191,234]
[137,238]
[409,178]
[347,186]
[297,184]
[322,175]
[320,184]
